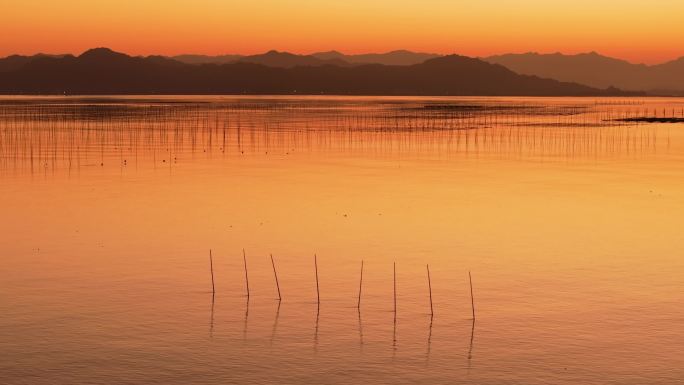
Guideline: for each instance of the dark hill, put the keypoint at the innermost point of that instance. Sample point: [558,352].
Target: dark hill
[102,71]
[14,62]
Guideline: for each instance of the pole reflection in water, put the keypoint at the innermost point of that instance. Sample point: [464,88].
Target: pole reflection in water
[275,322]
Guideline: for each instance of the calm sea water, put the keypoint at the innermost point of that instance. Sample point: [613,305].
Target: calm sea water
[569,220]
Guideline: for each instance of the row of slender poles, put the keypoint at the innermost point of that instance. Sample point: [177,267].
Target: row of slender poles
[318,293]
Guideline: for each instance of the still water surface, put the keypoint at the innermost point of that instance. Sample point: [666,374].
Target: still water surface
[569,220]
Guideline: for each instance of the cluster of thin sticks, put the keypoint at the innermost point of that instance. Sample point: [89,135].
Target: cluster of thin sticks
[318,293]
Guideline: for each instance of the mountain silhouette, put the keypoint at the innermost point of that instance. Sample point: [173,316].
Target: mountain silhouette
[286,59]
[103,71]
[271,59]
[206,59]
[400,57]
[596,70]
[13,62]
[289,60]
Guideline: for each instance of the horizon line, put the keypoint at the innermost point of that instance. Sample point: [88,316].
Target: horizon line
[348,54]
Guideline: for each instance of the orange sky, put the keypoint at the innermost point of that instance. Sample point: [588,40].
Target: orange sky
[637,30]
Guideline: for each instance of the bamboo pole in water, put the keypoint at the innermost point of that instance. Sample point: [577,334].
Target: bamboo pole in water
[318,293]
[358,306]
[244,258]
[394,325]
[394,269]
[472,300]
[276,279]
[211,269]
[432,311]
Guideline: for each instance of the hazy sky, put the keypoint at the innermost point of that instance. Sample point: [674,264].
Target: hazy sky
[637,30]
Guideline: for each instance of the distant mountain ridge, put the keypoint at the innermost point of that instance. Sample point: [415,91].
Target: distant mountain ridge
[596,70]
[289,60]
[591,69]
[13,62]
[271,58]
[205,59]
[103,71]
[285,59]
[400,57]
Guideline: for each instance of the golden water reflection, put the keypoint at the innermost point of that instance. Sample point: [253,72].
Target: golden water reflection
[569,220]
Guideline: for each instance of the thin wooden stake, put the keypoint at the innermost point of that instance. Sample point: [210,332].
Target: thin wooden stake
[358,306]
[276,278]
[244,258]
[211,268]
[395,289]
[394,327]
[318,293]
[472,300]
[432,310]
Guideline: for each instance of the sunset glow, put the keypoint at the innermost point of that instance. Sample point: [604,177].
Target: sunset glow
[636,30]
[304,192]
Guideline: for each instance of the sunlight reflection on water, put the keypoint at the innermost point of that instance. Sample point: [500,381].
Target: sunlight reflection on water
[568,219]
